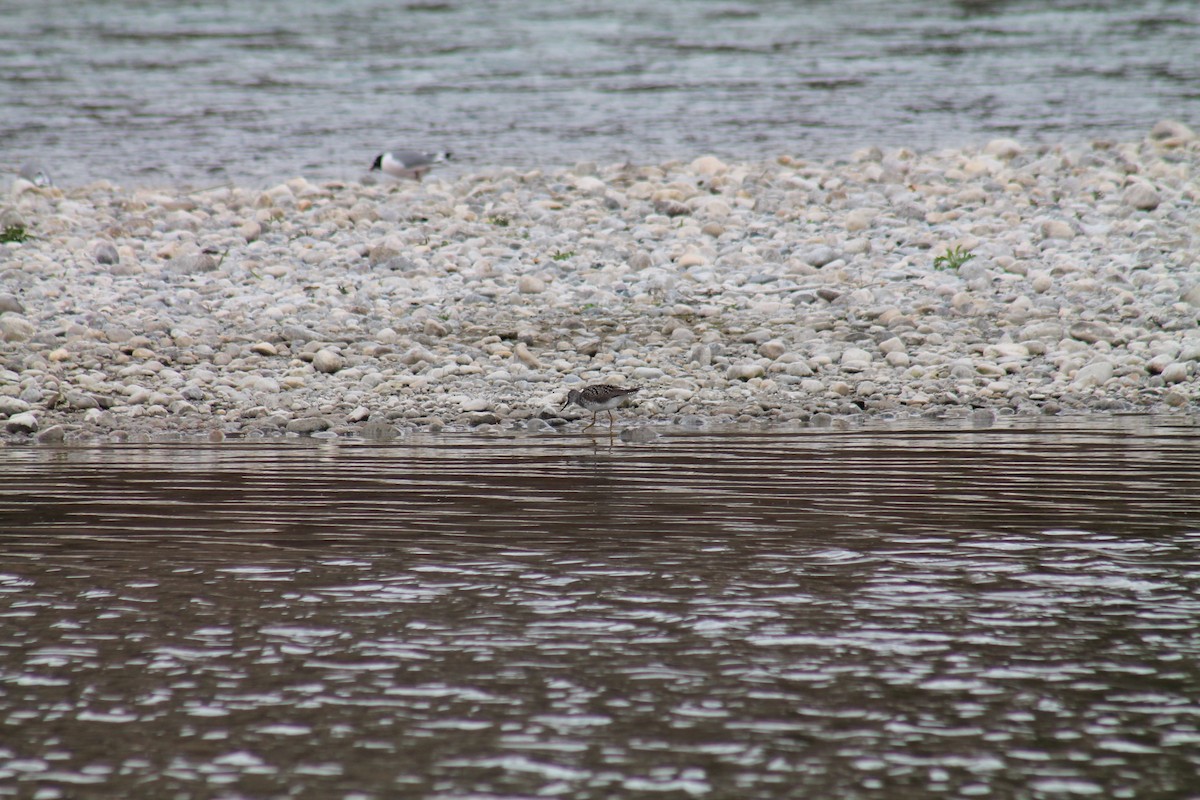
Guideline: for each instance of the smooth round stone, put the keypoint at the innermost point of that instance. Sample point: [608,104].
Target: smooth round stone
[260,384]
[327,361]
[1057,229]
[1175,372]
[772,349]
[859,219]
[640,434]
[1176,399]
[531,284]
[1003,148]
[1095,374]
[105,253]
[744,372]
[1091,332]
[192,264]
[15,328]
[709,165]
[9,302]
[10,406]
[55,434]
[1141,196]
[25,422]
[306,425]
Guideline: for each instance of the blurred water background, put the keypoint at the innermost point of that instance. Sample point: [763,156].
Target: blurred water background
[255,92]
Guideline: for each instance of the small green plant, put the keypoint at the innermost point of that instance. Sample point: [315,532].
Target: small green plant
[13,233]
[562,255]
[499,221]
[953,258]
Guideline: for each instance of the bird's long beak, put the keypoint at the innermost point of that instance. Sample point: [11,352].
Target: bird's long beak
[564,405]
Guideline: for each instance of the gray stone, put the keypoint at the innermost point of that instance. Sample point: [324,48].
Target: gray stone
[327,361]
[1175,372]
[21,423]
[1141,196]
[1172,132]
[308,425]
[1095,374]
[10,406]
[107,254]
[192,264]
[772,349]
[379,431]
[744,372]
[55,434]
[299,333]
[1091,332]
[818,256]
[15,328]
[81,400]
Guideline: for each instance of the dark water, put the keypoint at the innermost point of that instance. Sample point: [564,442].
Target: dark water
[260,91]
[1009,612]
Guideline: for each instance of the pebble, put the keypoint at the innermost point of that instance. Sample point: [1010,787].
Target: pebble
[784,290]
[308,425]
[55,434]
[1175,372]
[1142,196]
[531,284]
[24,422]
[105,253]
[327,361]
[1095,374]
[16,328]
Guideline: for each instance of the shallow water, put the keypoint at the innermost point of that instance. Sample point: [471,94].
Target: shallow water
[889,612]
[262,91]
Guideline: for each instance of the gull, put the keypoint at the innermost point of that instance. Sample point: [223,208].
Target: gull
[408,163]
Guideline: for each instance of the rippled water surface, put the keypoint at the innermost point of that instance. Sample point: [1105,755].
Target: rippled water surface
[260,91]
[1011,612]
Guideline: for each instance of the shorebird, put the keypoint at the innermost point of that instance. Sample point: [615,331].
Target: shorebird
[408,163]
[598,397]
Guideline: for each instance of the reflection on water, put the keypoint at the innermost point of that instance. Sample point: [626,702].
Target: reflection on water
[1010,612]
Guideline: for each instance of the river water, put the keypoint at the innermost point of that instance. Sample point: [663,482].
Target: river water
[899,611]
[202,93]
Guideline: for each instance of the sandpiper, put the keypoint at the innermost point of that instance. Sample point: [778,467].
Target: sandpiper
[598,397]
[408,163]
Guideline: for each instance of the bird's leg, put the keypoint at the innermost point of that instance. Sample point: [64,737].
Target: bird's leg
[610,420]
[592,423]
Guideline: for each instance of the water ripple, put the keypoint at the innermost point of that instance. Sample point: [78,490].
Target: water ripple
[878,613]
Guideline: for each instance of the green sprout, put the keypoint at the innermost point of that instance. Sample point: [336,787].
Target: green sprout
[499,221]
[562,255]
[13,233]
[953,258]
